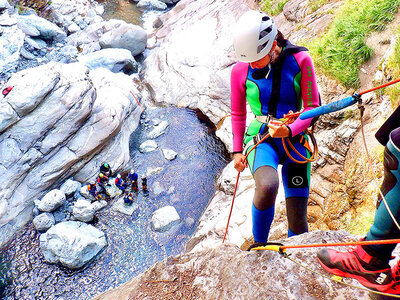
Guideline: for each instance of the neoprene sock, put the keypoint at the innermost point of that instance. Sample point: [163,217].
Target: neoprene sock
[290,233]
[262,220]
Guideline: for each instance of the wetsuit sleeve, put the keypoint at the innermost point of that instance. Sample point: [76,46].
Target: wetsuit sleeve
[238,104]
[309,91]
[393,122]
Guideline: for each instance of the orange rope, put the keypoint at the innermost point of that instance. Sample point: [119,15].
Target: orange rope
[290,119]
[380,87]
[136,100]
[306,160]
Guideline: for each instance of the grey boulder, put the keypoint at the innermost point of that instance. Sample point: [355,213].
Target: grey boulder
[126,36]
[70,187]
[43,221]
[115,60]
[72,244]
[164,218]
[47,30]
[52,200]
[83,210]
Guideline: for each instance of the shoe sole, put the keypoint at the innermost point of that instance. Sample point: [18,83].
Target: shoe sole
[360,279]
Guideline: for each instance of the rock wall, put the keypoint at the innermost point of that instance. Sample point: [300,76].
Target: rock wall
[60,121]
[226,272]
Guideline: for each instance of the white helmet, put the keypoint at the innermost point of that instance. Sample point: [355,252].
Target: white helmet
[119,175]
[132,171]
[254,35]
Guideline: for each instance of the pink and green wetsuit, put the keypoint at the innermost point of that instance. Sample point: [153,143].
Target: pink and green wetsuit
[288,84]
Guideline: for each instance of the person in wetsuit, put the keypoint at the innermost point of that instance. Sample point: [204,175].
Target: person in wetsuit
[274,77]
[106,169]
[369,264]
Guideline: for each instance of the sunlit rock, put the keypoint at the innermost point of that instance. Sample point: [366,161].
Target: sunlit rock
[52,200]
[43,221]
[70,187]
[164,218]
[169,154]
[121,207]
[48,30]
[115,60]
[151,4]
[148,146]
[72,244]
[126,36]
[83,210]
[158,130]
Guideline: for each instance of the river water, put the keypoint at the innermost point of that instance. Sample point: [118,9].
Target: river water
[187,183]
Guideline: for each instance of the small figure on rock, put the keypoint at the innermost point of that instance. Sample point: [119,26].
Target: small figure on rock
[106,169]
[128,199]
[102,180]
[144,183]
[120,183]
[93,190]
[133,178]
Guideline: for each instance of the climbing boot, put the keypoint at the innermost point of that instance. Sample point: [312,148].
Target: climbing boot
[370,271]
[395,288]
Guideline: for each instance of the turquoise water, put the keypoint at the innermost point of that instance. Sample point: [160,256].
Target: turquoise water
[187,183]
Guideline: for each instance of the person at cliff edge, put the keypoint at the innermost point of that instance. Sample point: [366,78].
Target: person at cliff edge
[369,264]
[274,77]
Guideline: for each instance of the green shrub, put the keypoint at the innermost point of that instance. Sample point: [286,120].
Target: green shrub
[271,7]
[342,50]
[393,68]
[42,7]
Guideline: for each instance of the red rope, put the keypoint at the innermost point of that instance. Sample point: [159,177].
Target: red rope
[379,242]
[380,87]
[136,100]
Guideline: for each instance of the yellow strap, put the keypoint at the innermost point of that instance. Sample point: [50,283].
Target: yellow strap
[269,247]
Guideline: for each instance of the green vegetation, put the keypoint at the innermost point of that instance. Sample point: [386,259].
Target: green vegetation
[271,7]
[342,50]
[315,4]
[394,70]
[361,224]
[42,7]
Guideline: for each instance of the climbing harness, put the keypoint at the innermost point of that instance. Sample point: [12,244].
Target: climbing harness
[331,107]
[258,139]
[7,90]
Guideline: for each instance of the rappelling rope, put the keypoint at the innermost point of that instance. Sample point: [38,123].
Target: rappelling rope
[370,163]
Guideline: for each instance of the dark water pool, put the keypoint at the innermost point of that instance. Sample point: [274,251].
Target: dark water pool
[187,183]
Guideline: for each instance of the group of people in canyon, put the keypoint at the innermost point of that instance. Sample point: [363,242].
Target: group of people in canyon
[128,186]
[276,78]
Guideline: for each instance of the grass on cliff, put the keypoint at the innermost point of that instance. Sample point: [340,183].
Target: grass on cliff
[342,50]
[393,69]
[271,7]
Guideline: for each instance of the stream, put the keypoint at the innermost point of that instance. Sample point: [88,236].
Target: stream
[186,182]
